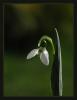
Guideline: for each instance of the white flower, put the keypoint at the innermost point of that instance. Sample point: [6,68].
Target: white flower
[33,53]
[44,56]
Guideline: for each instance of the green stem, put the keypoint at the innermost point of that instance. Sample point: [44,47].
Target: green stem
[57,64]
[49,39]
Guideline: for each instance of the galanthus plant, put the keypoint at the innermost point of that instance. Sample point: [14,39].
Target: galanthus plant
[56,71]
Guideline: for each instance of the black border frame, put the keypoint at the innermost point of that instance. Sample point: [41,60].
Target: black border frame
[2,3]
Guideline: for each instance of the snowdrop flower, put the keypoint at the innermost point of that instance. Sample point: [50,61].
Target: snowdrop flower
[42,52]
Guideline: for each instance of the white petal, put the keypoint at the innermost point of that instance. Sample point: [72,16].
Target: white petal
[44,57]
[33,53]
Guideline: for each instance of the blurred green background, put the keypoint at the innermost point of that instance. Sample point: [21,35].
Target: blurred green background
[24,24]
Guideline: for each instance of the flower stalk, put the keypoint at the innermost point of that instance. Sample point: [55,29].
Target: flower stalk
[48,39]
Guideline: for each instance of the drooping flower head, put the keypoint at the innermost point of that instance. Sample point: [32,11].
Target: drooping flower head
[42,52]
